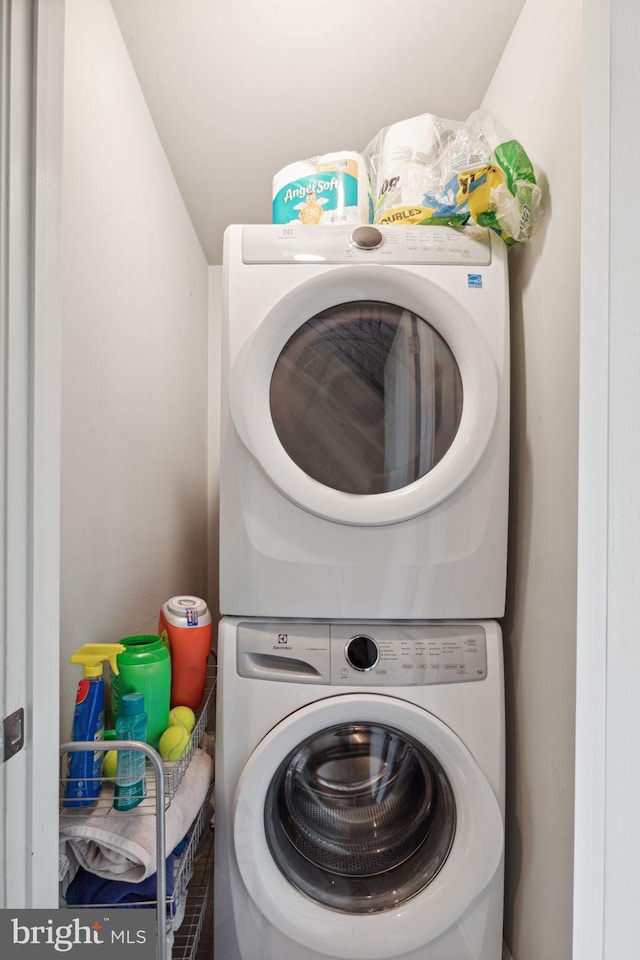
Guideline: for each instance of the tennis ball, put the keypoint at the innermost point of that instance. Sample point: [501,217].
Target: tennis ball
[182,717]
[173,742]
[109,764]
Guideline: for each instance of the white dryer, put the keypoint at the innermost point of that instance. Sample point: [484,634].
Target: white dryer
[364,457]
[359,791]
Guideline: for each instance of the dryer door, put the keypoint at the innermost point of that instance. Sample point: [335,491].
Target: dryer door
[363,825]
[367,395]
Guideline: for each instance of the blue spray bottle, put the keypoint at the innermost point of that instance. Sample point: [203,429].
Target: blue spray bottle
[85,767]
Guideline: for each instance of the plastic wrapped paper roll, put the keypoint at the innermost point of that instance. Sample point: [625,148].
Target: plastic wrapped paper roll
[406,159]
[333,188]
[428,170]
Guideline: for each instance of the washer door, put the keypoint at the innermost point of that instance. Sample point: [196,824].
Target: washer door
[363,825]
[367,395]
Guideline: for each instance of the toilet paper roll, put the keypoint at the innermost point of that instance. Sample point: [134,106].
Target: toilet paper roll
[332,188]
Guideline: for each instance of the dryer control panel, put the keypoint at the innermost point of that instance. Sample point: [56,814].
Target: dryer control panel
[369,243]
[363,654]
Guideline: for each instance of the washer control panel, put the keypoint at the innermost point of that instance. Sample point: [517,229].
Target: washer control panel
[334,243]
[366,654]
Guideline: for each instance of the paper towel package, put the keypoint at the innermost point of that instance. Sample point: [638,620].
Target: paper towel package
[428,170]
[333,188]
[406,159]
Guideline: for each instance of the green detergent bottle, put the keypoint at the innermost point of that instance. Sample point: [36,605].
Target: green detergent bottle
[145,667]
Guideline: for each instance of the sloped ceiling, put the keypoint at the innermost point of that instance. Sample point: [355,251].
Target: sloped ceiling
[239,88]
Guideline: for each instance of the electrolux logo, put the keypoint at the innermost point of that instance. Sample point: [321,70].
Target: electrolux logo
[42,933]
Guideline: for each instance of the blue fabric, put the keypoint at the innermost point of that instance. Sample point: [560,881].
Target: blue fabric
[87,888]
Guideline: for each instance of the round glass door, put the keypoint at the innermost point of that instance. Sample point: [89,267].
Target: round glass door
[366,397]
[360,817]
[352,804]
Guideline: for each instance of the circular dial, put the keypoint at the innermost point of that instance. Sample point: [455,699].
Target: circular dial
[362,652]
[366,238]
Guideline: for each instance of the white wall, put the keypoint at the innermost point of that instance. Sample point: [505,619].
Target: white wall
[134,368]
[536,93]
[215,332]
[607,919]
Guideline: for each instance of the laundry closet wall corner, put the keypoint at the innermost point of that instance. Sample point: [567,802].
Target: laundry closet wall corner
[134,357]
[536,93]
[215,322]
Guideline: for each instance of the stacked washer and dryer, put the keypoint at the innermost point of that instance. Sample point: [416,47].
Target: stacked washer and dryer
[363,532]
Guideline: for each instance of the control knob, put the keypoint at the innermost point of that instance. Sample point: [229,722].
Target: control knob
[362,652]
[366,238]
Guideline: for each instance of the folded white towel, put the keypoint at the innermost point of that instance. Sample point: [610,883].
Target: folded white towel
[121,845]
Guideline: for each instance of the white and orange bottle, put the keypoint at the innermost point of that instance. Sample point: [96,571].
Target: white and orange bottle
[186,627]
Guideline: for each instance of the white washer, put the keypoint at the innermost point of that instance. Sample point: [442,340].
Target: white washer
[364,466]
[359,791]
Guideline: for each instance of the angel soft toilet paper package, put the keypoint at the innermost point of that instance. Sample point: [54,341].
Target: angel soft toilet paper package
[333,188]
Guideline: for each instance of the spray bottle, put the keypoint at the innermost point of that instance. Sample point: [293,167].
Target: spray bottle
[85,767]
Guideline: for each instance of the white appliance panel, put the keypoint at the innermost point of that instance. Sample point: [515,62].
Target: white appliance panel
[361,481]
[260,911]
[296,243]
